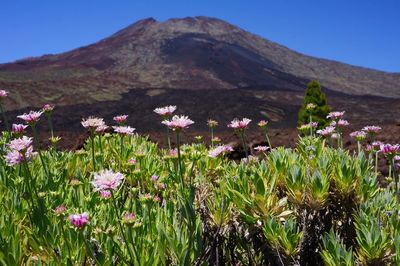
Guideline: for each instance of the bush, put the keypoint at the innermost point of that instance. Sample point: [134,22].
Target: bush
[314,96]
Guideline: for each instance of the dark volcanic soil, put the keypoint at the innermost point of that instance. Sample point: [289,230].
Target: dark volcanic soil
[278,107]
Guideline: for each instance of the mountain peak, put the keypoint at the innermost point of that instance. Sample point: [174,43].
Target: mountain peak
[192,52]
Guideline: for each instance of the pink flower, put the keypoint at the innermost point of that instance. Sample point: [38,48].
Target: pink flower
[18,129]
[308,126]
[165,111]
[262,123]
[60,210]
[3,94]
[129,218]
[342,123]
[389,149]
[15,157]
[92,123]
[107,180]
[178,122]
[101,129]
[156,199]
[173,152]
[239,124]
[371,129]
[105,194]
[20,144]
[120,119]
[220,150]
[358,135]
[48,108]
[335,136]
[326,132]
[261,148]
[79,220]
[124,130]
[32,117]
[335,115]
[132,161]
[377,144]
[154,178]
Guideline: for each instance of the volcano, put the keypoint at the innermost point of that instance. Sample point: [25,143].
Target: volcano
[206,66]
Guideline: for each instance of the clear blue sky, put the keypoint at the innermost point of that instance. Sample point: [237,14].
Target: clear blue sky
[359,32]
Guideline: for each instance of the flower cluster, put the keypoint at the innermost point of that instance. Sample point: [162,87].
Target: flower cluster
[358,135]
[124,130]
[178,122]
[389,150]
[101,129]
[79,220]
[239,124]
[263,123]
[120,119]
[326,132]
[32,117]
[107,180]
[335,115]
[92,123]
[20,150]
[18,129]
[220,150]
[308,126]
[261,148]
[60,210]
[47,109]
[372,130]
[165,111]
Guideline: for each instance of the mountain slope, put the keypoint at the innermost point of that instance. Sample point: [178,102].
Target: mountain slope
[190,53]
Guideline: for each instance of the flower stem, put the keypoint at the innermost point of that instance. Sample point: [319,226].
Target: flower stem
[121,150]
[93,157]
[65,238]
[4,117]
[101,149]
[50,121]
[120,226]
[28,184]
[376,163]
[244,144]
[212,137]
[178,143]
[36,137]
[268,141]
[168,139]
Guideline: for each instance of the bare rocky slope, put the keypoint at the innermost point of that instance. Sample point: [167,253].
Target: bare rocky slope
[190,53]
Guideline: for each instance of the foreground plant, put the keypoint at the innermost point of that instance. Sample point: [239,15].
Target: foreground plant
[177,124]
[92,123]
[192,205]
[166,113]
[240,127]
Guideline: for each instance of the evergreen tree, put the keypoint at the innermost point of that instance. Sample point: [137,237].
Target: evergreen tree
[314,106]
